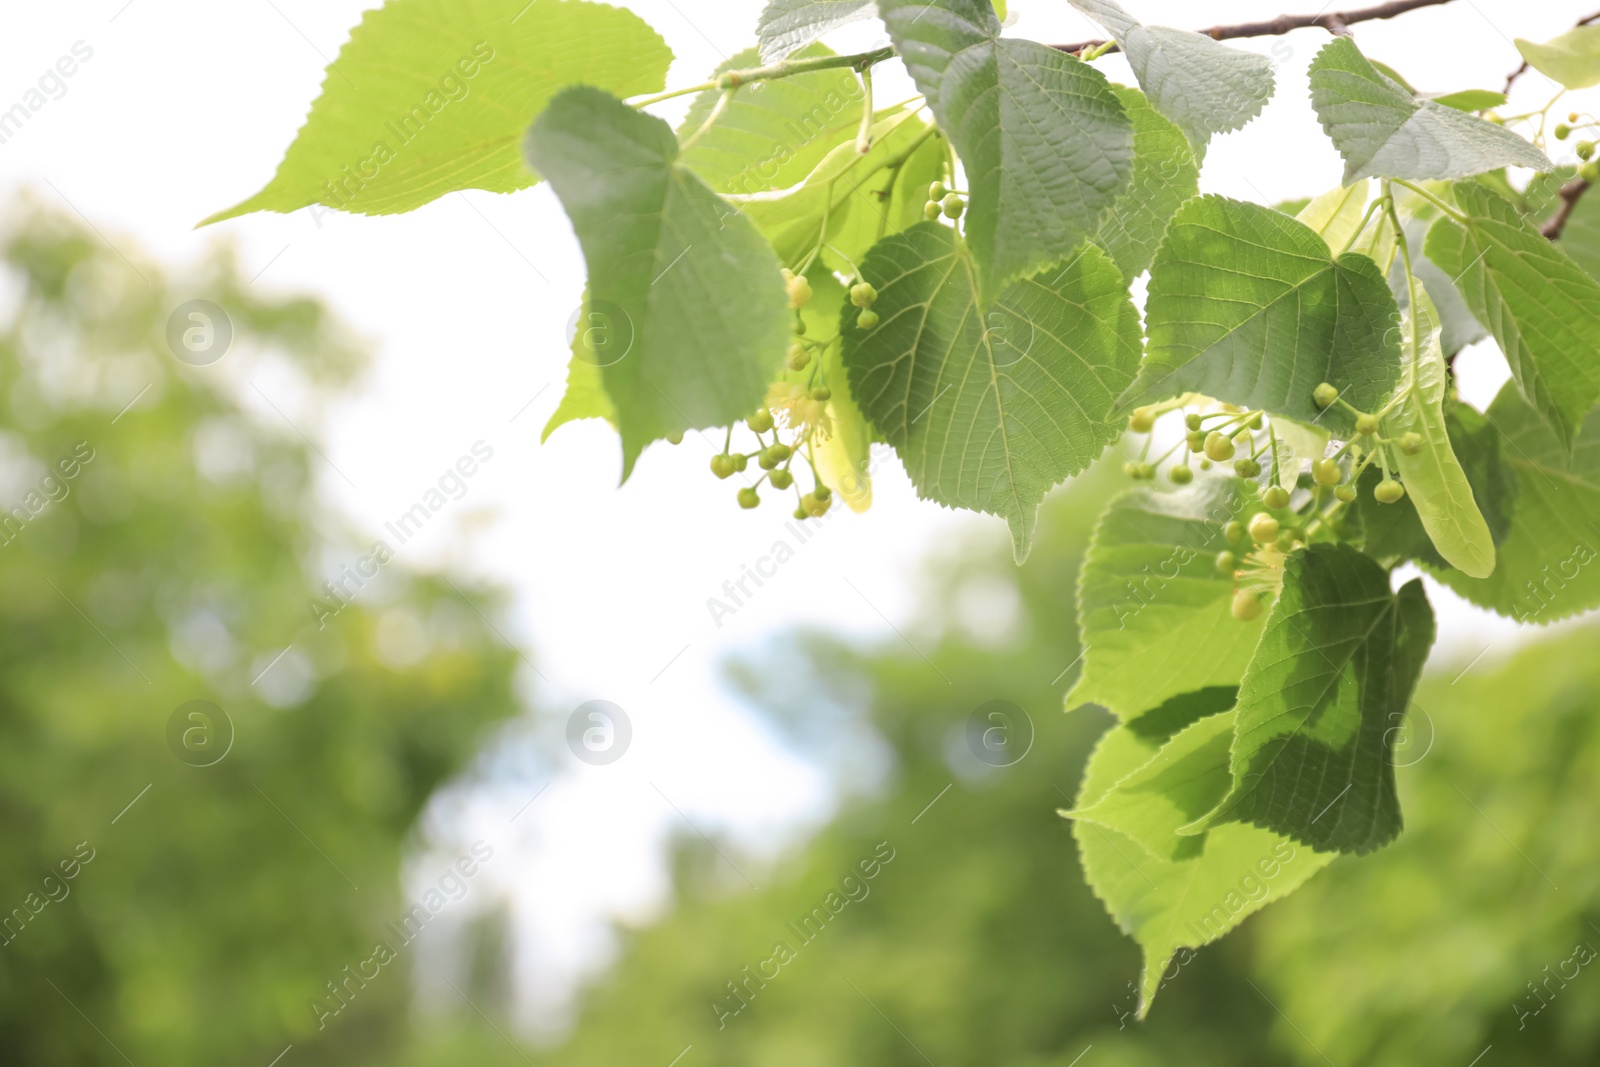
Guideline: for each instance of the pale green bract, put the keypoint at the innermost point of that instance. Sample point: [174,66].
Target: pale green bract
[1164,176]
[429,97]
[692,289]
[1153,611]
[990,403]
[1384,131]
[1546,563]
[1572,59]
[1434,480]
[1203,85]
[1541,307]
[1191,893]
[1321,702]
[1046,146]
[1249,306]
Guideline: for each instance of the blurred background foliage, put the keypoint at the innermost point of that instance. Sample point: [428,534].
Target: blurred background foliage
[178,564]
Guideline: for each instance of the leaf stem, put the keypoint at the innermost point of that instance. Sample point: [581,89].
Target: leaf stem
[716,113]
[1420,191]
[864,137]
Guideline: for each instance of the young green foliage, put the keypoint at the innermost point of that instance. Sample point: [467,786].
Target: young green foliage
[1540,306]
[692,280]
[1165,175]
[1203,85]
[1383,130]
[1320,702]
[1545,563]
[1572,59]
[1152,607]
[1046,145]
[990,403]
[1192,891]
[1250,306]
[432,96]
[786,26]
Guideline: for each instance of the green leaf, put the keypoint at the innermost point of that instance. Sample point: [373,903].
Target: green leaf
[1208,886]
[883,201]
[1572,60]
[1540,306]
[1458,326]
[1545,569]
[1337,214]
[1469,99]
[1384,131]
[990,403]
[1046,146]
[1164,176]
[786,26]
[1203,85]
[1153,611]
[689,279]
[595,339]
[1580,238]
[1434,479]
[432,96]
[772,134]
[1321,702]
[1249,306]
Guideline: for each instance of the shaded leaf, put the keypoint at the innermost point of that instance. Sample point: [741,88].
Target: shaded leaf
[1384,131]
[1164,176]
[1540,306]
[786,26]
[1321,702]
[1204,86]
[1046,146]
[1249,306]
[688,278]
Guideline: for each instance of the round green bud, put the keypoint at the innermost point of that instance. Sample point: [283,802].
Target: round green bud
[1345,493]
[1326,472]
[822,492]
[1263,528]
[1246,467]
[1325,395]
[1563,131]
[1411,442]
[1276,497]
[749,498]
[1366,425]
[1205,464]
[801,513]
[1191,421]
[775,454]
[675,438]
[867,319]
[1590,172]
[799,357]
[722,466]
[1285,541]
[1246,605]
[761,421]
[1131,470]
[1227,562]
[931,211]
[799,291]
[1256,421]
[822,394]
[740,461]
[862,294]
[1233,531]
[1142,420]
[1584,149]
[1197,440]
[1388,492]
[815,507]
[1181,475]
[799,327]
[1218,447]
[781,479]
[937,190]
[952,206]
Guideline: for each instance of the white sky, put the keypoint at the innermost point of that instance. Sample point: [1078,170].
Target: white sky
[186,107]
